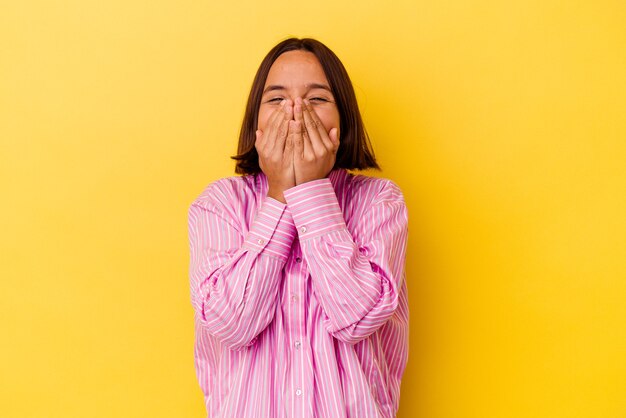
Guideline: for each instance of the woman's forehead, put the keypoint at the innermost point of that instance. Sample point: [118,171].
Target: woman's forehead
[300,68]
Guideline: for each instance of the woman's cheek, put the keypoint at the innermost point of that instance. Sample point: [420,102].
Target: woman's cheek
[263,119]
[330,120]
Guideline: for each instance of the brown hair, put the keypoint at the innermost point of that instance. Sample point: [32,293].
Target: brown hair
[355,150]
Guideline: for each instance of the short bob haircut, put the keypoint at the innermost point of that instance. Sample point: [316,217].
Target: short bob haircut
[355,150]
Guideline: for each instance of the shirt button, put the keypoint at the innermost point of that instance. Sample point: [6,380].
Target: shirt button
[297,344]
[298,260]
[260,241]
[293,298]
[303,229]
[298,392]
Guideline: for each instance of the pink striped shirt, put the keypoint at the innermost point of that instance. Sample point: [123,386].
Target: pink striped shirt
[301,308]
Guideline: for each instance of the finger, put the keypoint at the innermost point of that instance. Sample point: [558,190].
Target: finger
[334,139]
[317,143]
[309,134]
[289,148]
[288,110]
[283,126]
[299,117]
[295,132]
[272,127]
[297,110]
[320,126]
[261,144]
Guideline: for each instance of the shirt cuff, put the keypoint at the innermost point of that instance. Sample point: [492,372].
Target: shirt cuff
[272,231]
[314,208]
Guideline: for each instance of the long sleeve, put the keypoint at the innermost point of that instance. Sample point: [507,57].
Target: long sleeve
[235,277]
[356,280]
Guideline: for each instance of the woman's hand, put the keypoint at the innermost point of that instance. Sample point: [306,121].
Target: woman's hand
[275,148]
[315,150]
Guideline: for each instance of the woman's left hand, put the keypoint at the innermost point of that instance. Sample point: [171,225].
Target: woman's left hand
[315,149]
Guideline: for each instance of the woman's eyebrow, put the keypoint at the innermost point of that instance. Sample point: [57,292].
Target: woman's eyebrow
[273,87]
[318,86]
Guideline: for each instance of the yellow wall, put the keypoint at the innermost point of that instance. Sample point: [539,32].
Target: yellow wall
[503,123]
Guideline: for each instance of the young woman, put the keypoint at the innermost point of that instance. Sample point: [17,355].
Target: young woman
[297,266]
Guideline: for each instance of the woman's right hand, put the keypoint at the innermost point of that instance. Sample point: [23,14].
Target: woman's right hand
[275,149]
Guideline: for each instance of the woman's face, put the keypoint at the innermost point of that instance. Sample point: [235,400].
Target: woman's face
[298,74]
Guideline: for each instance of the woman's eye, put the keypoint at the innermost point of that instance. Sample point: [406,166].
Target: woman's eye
[318,99]
[275,100]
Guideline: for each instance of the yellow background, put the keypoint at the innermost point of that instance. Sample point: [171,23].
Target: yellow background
[503,123]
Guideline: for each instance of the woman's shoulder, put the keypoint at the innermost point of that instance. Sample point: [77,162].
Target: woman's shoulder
[227,190]
[377,188]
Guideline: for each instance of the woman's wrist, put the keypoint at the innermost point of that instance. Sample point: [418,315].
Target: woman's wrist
[276,194]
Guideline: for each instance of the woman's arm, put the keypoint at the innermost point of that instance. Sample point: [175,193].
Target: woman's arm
[235,278]
[356,283]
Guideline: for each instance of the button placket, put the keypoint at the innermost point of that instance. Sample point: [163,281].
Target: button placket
[300,372]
